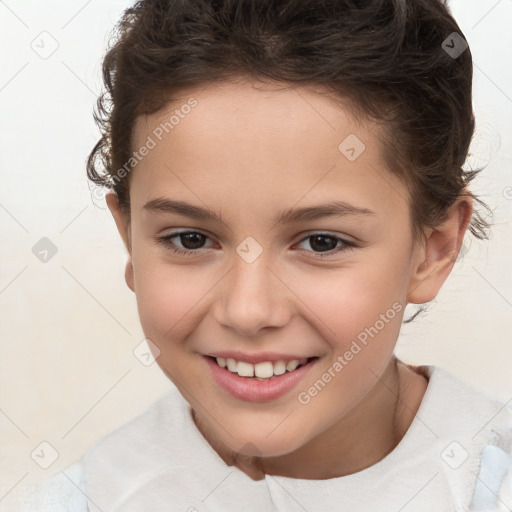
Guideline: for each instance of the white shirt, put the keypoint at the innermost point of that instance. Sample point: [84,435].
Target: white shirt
[455,456]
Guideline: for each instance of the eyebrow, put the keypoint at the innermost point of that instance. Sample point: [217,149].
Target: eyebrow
[288,216]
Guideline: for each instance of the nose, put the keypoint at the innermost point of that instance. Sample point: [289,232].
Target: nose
[251,297]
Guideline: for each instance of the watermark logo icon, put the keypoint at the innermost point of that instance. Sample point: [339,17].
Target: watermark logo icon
[454,455]
[45,45]
[249,250]
[247,460]
[146,352]
[44,455]
[98,194]
[454,45]
[44,250]
[351,147]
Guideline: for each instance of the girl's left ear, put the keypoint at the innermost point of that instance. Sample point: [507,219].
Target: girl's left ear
[436,259]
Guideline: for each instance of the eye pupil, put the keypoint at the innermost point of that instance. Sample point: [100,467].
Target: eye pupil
[196,239]
[323,246]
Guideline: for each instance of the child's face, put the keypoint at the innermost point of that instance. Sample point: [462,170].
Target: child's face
[248,155]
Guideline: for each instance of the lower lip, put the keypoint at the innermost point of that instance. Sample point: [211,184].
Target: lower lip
[251,390]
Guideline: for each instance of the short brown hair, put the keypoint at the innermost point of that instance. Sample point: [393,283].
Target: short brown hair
[385,56]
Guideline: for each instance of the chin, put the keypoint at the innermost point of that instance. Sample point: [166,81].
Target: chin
[257,444]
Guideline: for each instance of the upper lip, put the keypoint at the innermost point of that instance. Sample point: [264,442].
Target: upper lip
[260,357]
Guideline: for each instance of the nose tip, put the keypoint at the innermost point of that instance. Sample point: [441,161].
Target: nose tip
[251,299]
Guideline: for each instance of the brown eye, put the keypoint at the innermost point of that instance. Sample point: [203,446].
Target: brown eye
[186,242]
[325,243]
[322,243]
[191,240]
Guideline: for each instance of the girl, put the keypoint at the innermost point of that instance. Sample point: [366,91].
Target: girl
[286,177]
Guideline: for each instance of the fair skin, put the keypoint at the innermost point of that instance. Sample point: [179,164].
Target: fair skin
[248,153]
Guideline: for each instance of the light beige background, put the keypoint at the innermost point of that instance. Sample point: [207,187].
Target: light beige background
[69,326]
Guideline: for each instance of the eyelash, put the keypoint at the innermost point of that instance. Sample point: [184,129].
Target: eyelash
[168,244]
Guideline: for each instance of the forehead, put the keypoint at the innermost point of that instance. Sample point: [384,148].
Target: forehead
[260,143]
[256,113]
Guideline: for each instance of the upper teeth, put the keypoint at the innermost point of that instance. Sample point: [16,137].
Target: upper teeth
[262,370]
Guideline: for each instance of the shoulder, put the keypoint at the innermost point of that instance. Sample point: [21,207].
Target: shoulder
[142,437]
[119,458]
[457,407]
[152,450]
[477,431]
[62,492]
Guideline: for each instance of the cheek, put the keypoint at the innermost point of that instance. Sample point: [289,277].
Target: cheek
[345,301]
[359,314]
[167,295]
[169,300]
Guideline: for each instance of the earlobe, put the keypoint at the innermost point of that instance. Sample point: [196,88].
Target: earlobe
[128,274]
[440,252]
[124,231]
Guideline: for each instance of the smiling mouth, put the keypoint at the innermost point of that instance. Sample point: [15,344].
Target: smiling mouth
[264,371]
